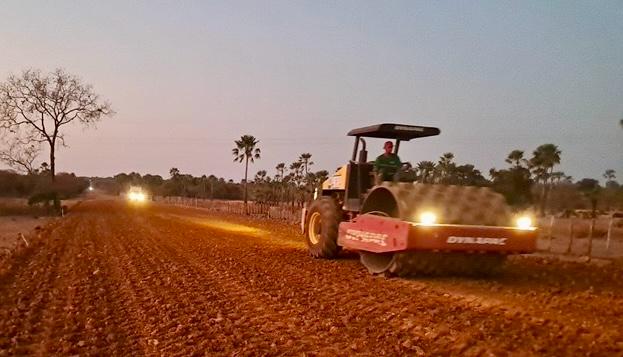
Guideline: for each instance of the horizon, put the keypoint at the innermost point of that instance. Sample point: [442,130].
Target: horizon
[186,80]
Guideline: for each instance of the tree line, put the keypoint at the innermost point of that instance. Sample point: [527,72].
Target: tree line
[527,181]
[36,108]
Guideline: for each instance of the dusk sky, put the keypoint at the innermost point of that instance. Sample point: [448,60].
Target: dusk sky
[188,78]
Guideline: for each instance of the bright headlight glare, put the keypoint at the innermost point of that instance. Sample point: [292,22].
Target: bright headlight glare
[136,196]
[524,222]
[428,218]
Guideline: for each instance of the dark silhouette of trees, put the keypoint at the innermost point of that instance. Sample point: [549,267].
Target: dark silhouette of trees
[426,171]
[516,158]
[610,176]
[445,168]
[590,189]
[515,183]
[542,163]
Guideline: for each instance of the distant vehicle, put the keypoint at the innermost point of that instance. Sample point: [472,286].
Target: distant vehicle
[136,194]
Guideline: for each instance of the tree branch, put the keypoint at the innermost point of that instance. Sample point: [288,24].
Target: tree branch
[42,104]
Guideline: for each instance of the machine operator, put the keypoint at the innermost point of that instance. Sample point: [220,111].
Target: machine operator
[387,164]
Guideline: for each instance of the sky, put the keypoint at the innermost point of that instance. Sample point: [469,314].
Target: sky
[188,78]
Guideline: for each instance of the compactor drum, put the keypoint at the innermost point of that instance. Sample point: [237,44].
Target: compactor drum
[406,228]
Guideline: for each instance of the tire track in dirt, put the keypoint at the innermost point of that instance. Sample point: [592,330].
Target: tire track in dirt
[184,302]
[113,279]
[489,319]
[538,289]
[579,309]
[109,328]
[236,301]
[28,295]
[153,297]
[230,298]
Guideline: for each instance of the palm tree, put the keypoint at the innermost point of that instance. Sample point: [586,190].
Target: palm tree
[305,159]
[426,170]
[296,169]
[260,177]
[279,179]
[610,175]
[545,157]
[306,162]
[321,176]
[445,167]
[281,168]
[515,158]
[246,151]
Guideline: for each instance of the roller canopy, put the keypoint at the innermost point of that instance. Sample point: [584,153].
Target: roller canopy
[395,131]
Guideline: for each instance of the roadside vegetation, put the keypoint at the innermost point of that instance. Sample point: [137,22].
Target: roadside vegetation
[529,182]
[35,194]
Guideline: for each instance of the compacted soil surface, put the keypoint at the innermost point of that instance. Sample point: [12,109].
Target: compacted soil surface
[115,279]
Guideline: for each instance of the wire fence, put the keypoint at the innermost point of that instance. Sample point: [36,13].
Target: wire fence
[277,211]
[601,237]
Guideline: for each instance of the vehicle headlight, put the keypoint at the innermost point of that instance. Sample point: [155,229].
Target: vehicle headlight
[524,222]
[136,196]
[428,218]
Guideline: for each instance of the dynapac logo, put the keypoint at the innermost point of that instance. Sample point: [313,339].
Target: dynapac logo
[476,240]
[408,128]
[366,237]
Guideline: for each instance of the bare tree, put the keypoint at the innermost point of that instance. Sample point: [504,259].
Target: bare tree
[44,104]
[19,152]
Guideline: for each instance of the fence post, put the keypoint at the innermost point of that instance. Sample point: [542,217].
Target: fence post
[570,235]
[590,238]
[610,225]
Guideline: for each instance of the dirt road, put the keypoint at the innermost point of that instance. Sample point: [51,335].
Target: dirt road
[113,279]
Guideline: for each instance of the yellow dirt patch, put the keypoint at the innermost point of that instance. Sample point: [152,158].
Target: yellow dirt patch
[221,225]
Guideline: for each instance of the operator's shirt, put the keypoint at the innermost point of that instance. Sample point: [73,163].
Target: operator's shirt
[387,166]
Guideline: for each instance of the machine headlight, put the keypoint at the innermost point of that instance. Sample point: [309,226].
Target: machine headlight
[136,196]
[524,222]
[428,218]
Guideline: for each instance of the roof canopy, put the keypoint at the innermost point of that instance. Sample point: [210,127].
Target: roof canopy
[395,131]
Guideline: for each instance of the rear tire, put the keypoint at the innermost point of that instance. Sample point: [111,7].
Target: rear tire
[321,228]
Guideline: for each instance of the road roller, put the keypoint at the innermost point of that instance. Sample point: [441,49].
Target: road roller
[404,227]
